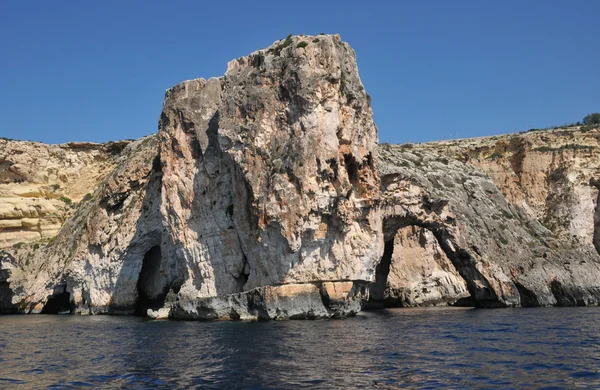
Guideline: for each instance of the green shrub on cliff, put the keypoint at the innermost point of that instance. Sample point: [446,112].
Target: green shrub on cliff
[67,201]
[592,119]
[277,49]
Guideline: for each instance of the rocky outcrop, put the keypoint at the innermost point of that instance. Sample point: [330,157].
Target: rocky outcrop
[552,174]
[505,257]
[39,184]
[266,176]
[264,195]
[289,301]
[269,174]
[90,258]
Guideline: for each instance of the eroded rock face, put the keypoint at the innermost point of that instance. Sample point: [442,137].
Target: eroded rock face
[39,183]
[505,257]
[97,256]
[290,301]
[270,173]
[260,198]
[266,176]
[552,174]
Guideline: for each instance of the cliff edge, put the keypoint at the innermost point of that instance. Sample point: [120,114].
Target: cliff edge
[264,195]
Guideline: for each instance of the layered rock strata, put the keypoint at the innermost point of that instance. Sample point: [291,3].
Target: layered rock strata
[264,195]
[40,184]
[551,174]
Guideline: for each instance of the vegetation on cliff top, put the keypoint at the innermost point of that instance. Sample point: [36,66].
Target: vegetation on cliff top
[592,119]
[589,122]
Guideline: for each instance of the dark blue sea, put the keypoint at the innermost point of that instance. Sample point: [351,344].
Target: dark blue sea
[398,348]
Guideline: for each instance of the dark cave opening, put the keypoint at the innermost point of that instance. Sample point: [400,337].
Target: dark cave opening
[59,302]
[6,294]
[150,289]
[351,168]
[378,286]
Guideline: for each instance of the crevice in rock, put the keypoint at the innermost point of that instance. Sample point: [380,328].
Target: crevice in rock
[243,276]
[352,169]
[151,291]
[378,286]
[563,298]
[359,173]
[59,302]
[528,298]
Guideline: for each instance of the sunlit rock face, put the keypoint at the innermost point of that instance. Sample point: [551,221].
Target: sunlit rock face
[505,257]
[415,271]
[265,176]
[270,173]
[97,256]
[264,195]
[40,184]
[551,174]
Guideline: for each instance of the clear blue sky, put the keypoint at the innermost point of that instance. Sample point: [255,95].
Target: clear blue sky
[97,70]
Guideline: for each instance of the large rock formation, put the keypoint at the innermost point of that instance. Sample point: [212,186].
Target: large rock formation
[505,257]
[266,176]
[552,174]
[260,198]
[269,173]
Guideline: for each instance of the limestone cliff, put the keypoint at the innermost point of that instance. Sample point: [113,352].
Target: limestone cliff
[39,184]
[264,195]
[266,176]
[552,174]
[505,257]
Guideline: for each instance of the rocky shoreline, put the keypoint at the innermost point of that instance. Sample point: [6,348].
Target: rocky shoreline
[265,195]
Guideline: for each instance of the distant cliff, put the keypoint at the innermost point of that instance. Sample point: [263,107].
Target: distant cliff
[264,195]
[39,184]
[551,174]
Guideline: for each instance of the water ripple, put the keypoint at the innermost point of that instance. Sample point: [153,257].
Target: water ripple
[416,348]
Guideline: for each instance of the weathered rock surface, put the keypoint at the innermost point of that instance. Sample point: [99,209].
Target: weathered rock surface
[269,173]
[551,174]
[7,263]
[415,271]
[266,176]
[39,182]
[289,301]
[264,195]
[90,258]
[505,257]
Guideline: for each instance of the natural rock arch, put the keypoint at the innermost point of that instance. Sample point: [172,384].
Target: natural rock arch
[414,271]
[482,294]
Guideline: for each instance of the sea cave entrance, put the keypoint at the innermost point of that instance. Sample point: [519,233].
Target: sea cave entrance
[150,285]
[59,302]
